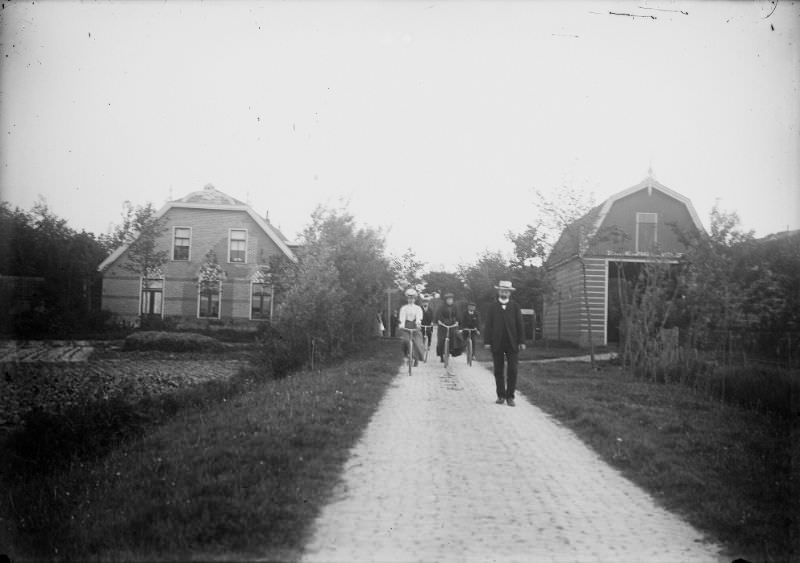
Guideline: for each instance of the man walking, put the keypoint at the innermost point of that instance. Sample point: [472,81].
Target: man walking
[503,333]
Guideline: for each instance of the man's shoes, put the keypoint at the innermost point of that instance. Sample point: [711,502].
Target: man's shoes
[500,400]
[510,402]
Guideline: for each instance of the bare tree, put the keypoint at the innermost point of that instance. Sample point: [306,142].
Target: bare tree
[559,217]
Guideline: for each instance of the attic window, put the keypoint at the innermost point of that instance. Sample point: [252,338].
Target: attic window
[646,231]
[237,245]
[182,243]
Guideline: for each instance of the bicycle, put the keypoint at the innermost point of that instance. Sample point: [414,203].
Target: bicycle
[411,332]
[470,346]
[446,351]
[424,329]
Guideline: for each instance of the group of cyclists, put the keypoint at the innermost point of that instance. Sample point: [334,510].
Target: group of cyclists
[453,329]
[504,334]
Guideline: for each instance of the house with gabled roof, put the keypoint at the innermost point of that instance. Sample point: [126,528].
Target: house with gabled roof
[635,226]
[217,269]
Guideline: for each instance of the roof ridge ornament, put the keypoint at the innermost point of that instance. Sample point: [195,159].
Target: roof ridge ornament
[651,180]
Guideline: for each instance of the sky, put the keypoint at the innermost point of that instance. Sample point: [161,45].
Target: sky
[433,121]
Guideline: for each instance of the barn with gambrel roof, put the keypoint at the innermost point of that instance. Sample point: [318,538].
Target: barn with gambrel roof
[638,225]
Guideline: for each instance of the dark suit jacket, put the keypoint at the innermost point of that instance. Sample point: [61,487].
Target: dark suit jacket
[508,321]
[471,321]
[427,316]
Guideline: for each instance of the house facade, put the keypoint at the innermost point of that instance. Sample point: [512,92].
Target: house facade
[217,268]
[635,226]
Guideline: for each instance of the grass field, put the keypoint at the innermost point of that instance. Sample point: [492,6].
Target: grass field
[241,473]
[728,470]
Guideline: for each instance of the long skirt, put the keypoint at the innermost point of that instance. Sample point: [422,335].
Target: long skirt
[418,351]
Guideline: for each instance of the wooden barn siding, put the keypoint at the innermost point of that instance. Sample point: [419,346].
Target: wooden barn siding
[574,324]
[209,231]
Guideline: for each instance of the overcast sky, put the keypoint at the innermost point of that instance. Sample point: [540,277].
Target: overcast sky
[435,120]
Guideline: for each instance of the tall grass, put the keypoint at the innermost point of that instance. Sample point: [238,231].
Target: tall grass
[768,388]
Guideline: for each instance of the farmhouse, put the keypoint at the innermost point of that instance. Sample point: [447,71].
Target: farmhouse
[217,268]
[633,227]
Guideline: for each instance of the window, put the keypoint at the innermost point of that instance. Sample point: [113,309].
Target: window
[182,240]
[646,231]
[261,301]
[208,307]
[152,296]
[237,248]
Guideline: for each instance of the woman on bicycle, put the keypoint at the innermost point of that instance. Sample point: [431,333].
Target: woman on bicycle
[447,315]
[410,318]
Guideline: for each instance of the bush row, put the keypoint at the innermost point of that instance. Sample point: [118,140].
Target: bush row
[172,342]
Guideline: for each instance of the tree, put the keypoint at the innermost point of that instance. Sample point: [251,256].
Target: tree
[713,296]
[337,286]
[445,282]
[140,230]
[530,246]
[482,277]
[408,270]
[40,244]
[559,218]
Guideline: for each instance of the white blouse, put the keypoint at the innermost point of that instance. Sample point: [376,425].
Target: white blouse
[411,313]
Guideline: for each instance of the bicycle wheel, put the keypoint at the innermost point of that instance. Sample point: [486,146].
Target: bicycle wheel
[410,351]
[469,351]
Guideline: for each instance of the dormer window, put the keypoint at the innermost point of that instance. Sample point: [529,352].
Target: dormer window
[237,245]
[646,231]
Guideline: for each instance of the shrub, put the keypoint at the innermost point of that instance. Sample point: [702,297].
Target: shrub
[276,355]
[172,342]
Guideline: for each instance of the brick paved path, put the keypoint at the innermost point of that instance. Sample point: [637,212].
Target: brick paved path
[444,474]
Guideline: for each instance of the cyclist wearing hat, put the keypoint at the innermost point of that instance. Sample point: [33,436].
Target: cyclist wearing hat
[471,319]
[447,315]
[410,317]
[427,320]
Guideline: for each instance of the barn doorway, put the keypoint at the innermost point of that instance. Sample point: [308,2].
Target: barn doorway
[619,275]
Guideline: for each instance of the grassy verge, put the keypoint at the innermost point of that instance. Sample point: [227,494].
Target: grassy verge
[728,470]
[243,471]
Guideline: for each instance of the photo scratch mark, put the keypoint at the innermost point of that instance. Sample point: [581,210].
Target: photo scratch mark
[774,7]
[632,15]
[685,13]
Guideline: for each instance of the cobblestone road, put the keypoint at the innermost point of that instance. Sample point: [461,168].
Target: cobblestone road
[442,473]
